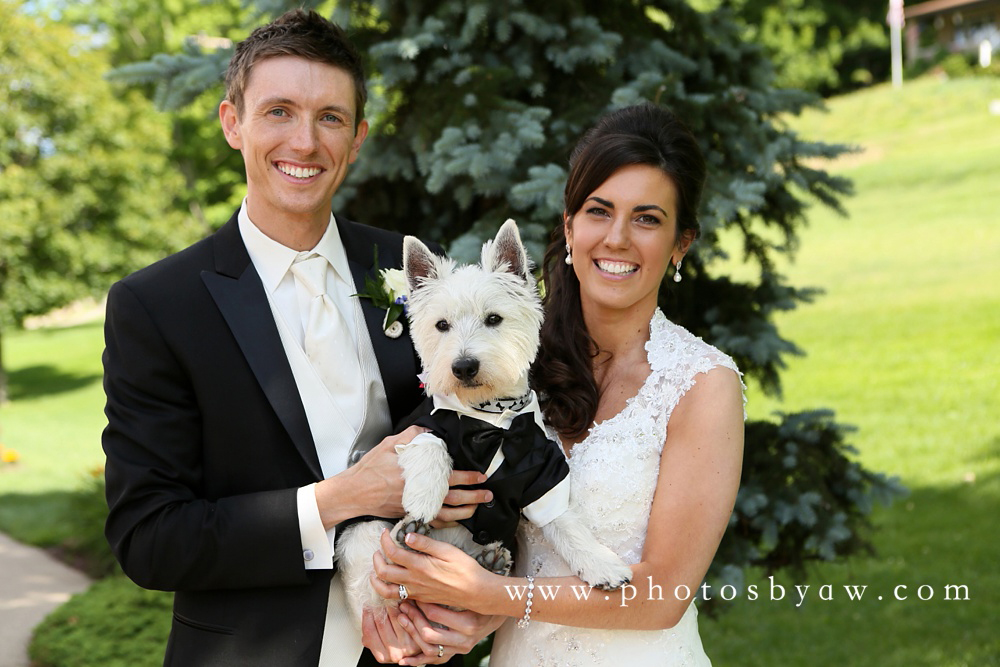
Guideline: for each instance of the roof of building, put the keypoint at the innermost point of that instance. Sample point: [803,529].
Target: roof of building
[937,6]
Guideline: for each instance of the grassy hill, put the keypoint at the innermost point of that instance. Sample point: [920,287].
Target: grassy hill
[905,344]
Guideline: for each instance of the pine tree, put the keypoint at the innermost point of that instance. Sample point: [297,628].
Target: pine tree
[475,106]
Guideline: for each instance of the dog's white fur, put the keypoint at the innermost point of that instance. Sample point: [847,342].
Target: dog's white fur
[468,299]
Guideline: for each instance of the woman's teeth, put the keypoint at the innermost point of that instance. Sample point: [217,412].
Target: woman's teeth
[617,268]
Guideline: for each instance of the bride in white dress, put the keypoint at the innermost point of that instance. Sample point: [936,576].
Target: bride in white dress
[650,417]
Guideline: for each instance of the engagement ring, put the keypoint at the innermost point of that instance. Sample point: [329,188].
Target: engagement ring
[402,592]
[440,651]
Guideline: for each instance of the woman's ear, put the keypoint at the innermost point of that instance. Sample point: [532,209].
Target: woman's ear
[687,237]
[568,228]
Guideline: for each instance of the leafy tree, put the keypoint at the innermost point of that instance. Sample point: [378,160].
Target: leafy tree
[86,193]
[475,106]
[135,30]
[820,45]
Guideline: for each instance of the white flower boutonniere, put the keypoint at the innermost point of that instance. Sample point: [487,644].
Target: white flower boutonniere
[387,291]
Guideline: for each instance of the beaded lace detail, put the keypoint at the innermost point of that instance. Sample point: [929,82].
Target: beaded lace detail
[613,474]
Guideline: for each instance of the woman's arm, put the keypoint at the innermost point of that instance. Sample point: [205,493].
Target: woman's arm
[699,476]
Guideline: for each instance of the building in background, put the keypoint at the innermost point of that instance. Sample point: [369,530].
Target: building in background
[956,26]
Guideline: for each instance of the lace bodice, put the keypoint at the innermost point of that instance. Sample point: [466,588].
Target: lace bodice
[613,474]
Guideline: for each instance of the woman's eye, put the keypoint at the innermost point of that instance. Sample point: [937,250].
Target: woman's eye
[597,211]
[442,326]
[493,320]
[649,220]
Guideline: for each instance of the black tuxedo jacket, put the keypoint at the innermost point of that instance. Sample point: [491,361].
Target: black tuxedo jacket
[207,442]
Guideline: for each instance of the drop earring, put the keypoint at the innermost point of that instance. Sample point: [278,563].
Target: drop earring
[677,271]
[569,255]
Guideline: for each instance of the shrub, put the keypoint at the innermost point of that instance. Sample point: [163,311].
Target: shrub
[77,634]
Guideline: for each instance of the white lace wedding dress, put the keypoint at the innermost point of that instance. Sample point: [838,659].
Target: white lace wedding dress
[613,473]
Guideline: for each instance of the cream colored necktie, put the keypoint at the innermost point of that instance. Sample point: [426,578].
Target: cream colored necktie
[328,343]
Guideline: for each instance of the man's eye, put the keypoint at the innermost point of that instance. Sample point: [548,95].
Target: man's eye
[442,326]
[493,320]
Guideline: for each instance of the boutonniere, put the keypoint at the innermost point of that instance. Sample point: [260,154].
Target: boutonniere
[387,290]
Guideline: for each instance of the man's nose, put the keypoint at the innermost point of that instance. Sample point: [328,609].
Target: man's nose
[304,137]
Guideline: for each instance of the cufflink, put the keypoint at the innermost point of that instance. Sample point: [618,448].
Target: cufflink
[307,555]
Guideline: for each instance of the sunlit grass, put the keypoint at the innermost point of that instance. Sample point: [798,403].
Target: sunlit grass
[904,344]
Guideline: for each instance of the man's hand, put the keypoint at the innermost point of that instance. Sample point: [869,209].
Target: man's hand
[373,486]
[455,632]
[386,638]
[461,503]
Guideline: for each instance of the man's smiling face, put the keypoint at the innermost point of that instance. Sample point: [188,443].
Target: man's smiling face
[297,136]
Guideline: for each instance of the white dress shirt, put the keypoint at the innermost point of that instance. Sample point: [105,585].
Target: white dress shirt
[291,304]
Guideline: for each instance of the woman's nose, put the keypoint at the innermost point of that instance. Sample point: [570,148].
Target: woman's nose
[617,235]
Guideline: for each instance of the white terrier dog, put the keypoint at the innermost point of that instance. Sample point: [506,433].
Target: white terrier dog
[476,330]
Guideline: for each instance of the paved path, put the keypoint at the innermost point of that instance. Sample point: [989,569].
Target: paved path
[32,584]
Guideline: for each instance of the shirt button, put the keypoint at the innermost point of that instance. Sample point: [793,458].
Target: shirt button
[484,537]
[491,503]
[307,555]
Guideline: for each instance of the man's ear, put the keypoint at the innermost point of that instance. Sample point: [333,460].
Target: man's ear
[230,122]
[359,138]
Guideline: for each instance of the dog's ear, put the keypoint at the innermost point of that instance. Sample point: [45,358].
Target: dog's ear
[418,263]
[507,253]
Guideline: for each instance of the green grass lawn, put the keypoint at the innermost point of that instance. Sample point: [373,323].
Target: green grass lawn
[905,344]
[54,422]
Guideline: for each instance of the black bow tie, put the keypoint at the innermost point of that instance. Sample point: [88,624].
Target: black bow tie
[480,440]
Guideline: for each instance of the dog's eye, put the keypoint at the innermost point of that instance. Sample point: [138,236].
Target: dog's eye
[493,320]
[442,326]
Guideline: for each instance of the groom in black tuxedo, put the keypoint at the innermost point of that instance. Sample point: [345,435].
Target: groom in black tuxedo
[226,445]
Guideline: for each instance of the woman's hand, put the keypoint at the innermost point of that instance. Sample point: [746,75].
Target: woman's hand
[434,572]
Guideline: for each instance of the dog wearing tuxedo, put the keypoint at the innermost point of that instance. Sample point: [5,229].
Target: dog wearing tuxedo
[476,331]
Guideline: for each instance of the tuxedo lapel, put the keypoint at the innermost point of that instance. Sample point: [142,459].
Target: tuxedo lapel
[396,359]
[239,294]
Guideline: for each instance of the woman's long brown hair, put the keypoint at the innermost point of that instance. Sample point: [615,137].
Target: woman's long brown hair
[563,373]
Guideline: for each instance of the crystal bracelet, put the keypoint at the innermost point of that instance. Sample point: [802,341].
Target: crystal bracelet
[523,623]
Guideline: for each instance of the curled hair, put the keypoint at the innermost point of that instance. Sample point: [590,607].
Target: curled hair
[646,134]
[302,33]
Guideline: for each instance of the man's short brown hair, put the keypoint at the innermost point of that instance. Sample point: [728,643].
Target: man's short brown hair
[302,33]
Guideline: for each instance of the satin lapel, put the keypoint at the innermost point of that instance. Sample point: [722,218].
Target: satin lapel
[239,294]
[396,359]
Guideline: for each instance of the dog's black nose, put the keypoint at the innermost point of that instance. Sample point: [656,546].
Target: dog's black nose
[465,368]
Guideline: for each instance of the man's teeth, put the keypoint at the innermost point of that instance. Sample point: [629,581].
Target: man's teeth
[617,268]
[298,172]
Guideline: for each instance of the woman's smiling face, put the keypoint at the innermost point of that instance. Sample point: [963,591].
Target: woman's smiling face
[623,237]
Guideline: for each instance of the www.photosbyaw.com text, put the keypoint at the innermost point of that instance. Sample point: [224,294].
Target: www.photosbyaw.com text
[771,591]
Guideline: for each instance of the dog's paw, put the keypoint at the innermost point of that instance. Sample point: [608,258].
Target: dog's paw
[495,558]
[612,585]
[409,524]
[605,571]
